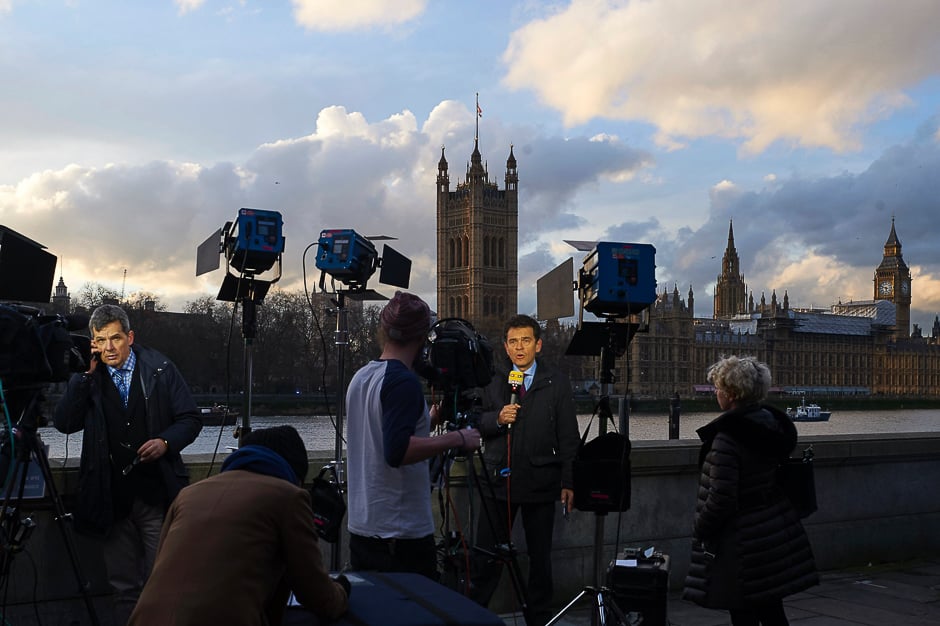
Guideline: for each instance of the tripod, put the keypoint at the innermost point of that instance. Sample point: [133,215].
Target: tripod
[610,340]
[24,444]
[601,476]
[504,553]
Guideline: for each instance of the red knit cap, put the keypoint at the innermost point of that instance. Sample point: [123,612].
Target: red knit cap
[406,318]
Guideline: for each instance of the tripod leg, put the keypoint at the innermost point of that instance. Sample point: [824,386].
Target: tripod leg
[611,607]
[61,518]
[10,522]
[569,606]
[507,556]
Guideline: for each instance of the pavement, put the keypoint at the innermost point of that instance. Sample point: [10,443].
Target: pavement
[895,594]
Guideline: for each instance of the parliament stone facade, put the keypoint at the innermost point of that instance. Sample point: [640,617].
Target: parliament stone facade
[860,348]
[854,348]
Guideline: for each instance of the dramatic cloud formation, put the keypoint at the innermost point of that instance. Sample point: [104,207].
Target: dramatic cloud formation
[758,71]
[659,121]
[377,178]
[821,239]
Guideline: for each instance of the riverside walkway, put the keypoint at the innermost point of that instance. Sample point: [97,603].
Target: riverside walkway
[896,594]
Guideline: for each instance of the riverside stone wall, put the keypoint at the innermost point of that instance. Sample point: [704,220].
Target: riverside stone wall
[877,503]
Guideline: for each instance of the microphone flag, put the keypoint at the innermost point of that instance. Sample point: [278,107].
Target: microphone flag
[516,378]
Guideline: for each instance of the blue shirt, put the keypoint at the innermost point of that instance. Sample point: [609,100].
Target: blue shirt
[528,375]
[125,372]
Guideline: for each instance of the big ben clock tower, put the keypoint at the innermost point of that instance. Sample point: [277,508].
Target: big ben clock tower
[893,283]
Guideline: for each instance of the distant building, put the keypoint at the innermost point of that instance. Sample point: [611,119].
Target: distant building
[730,289]
[893,283]
[61,299]
[855,348]
[477,246]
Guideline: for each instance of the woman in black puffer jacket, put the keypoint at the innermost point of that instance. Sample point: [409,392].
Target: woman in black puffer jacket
[749,549]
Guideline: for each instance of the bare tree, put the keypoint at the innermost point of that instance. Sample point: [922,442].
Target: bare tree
[143,301]
[91,295]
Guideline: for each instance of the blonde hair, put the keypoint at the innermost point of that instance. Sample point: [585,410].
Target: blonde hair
[745,379]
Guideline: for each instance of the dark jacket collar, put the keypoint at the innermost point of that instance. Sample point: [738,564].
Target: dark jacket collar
[761,426]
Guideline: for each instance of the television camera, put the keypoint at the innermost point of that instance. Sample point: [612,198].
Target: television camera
[35,349]
[457,360]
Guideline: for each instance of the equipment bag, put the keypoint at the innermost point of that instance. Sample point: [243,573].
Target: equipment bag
[601,473]
[329,507]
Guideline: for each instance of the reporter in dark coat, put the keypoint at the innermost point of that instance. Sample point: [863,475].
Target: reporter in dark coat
[136,414]
[529,453]
[749,548]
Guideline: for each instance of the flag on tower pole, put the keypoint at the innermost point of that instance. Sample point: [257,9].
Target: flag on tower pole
[477,120]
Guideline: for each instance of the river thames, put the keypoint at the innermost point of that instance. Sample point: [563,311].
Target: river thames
[319,432]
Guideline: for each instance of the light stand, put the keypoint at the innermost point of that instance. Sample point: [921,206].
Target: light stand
[249,326]
[610,339]
[341,340]
[616,281]
[250,298]
[347,256]
[252,244]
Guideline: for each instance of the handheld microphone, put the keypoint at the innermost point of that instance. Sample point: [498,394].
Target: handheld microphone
[516,378]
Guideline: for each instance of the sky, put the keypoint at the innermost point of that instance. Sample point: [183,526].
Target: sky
[131,131]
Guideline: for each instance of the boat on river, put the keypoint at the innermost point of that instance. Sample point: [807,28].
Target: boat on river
[808,412]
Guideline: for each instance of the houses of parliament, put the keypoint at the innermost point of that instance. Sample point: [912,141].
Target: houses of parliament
[861,348]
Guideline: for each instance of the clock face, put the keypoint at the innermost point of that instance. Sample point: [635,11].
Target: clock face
[885,288]
[905,287]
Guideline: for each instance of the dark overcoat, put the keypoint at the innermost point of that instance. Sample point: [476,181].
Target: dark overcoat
[749,547]
[171,414]
[544,439]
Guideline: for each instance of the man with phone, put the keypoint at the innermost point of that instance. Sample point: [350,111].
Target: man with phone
[530,430]
[136,414]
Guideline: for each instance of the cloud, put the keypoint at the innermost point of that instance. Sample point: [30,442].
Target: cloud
[342,15]
[760,72]
[820,239]
[817,239]
[187,6]
[376,177]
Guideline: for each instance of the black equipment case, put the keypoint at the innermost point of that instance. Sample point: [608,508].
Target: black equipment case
[639,584]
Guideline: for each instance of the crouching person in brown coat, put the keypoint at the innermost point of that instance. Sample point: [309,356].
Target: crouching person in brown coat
[749,548]
[234,545]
